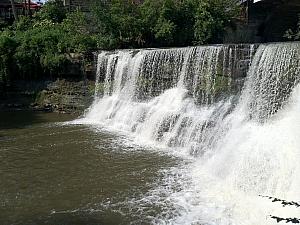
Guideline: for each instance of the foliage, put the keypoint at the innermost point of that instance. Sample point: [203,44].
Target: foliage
[118,24]
[212,17]
[39,50]
[168,22]
[293,35]
[7,49]
[121,23]
[53,10]
[3,24]
[43,44]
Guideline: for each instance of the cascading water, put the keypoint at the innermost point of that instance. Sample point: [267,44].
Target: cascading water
[194,101]
[165,95]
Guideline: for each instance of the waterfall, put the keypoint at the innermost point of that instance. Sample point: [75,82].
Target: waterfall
[174,97]
[272,77]
[235,108]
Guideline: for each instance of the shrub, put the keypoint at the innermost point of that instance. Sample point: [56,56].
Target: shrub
[40,46]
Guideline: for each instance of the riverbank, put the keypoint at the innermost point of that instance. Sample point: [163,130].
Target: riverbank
[61,95]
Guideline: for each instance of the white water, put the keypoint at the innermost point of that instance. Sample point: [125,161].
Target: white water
[243,148]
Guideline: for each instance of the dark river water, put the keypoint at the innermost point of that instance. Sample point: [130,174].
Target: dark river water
[52,173]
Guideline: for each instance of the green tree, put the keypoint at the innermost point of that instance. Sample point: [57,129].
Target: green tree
[211,19]
[7,49]
[186,22]
[53,10]
[118,24]
[43,44]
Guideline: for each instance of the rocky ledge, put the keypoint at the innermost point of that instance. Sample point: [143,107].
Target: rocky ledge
[63,96]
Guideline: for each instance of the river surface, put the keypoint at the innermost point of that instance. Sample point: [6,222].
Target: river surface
[54,173]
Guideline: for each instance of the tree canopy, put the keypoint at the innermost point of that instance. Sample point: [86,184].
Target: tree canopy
[42,44]
[164,22]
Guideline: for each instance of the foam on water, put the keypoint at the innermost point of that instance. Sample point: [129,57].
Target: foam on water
[245,143]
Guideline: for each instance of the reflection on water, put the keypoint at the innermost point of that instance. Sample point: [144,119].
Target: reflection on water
[56,174]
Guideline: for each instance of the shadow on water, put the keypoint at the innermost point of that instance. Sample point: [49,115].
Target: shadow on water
[21,119]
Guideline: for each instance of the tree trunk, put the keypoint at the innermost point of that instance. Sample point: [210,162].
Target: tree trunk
[14,9]
[29,8]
